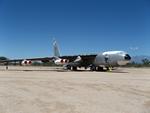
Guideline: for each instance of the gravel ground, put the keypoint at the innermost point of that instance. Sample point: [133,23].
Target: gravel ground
[50,90]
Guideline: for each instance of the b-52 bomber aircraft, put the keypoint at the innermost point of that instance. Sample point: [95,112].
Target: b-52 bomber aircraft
[96,62]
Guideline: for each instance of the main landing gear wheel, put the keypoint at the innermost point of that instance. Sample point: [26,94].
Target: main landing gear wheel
[100,68]
[74,68]
[93,68]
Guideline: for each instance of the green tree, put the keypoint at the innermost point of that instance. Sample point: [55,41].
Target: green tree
[146,62]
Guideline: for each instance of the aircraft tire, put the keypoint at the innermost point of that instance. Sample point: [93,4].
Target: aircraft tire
[74,68]
[68,67]
[100,68]
[93,68]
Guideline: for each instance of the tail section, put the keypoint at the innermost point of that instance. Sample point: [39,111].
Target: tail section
[57,60]
[56,49]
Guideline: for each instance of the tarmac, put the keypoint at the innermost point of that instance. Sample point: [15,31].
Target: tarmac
[52,90]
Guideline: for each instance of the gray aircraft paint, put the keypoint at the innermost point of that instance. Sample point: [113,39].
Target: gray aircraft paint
[94,61]
[111,58]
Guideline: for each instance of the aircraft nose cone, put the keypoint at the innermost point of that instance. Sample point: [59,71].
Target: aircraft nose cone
[127,57]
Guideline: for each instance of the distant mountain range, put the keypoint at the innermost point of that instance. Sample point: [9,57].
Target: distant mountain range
[138,59]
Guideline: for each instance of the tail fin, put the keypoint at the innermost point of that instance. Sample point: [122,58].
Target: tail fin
[56,49]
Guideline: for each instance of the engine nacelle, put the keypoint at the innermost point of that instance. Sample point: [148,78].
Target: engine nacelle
[61,61]
[26,62]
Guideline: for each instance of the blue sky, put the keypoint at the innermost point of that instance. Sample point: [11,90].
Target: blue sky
[28,27]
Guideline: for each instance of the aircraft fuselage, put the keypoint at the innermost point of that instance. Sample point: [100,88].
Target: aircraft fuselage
[112,58]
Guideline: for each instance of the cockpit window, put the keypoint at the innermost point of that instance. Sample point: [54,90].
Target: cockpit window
[127,57]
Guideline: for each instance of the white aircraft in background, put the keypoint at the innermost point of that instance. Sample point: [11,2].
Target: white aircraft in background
[96,62]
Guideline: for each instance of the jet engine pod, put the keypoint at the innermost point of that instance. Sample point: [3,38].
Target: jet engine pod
[61,61]
[26,62]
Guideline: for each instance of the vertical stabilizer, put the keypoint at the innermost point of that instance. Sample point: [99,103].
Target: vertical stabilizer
[56,49]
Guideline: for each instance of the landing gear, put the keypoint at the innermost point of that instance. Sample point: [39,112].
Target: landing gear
[109,68]
[100,68]
[93,68]
[68,67]
[74,68]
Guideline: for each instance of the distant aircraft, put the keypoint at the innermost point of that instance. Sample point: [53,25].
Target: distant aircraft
[96,62]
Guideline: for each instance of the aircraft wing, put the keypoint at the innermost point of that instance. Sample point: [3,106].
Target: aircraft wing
[84,57]
[45,59]
[83,60]
[75,60]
